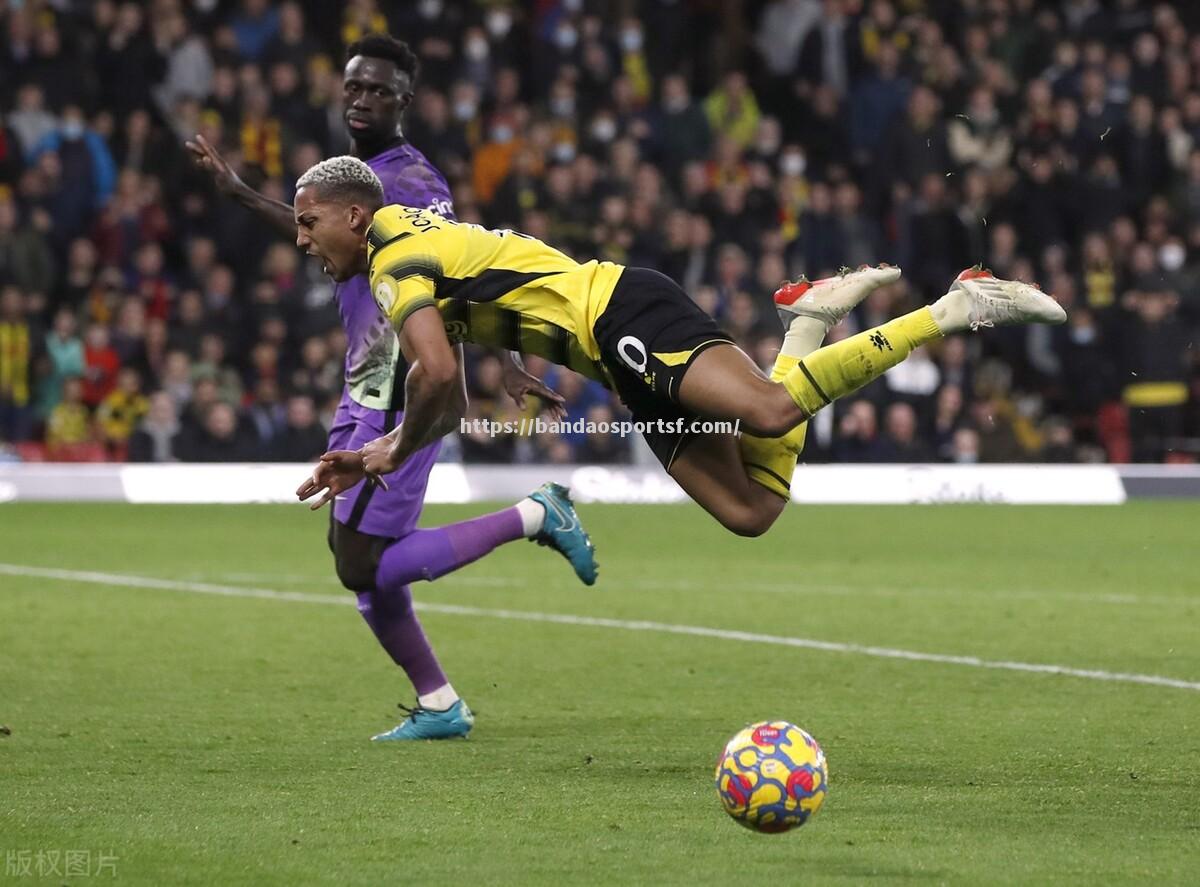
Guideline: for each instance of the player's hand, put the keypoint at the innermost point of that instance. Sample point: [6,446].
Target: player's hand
[337,472]
[379,458]
[210,160]
[518,383]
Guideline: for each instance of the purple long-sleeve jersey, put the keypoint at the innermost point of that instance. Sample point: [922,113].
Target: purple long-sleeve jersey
[374,366]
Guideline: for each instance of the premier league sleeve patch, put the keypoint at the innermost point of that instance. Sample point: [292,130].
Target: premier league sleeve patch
[385,291]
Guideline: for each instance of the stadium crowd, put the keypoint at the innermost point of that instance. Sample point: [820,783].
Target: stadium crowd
[729,144]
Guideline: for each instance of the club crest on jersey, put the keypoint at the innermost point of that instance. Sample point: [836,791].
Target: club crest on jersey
[385,293]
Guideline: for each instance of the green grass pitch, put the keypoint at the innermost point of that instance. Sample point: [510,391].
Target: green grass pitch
[207,739]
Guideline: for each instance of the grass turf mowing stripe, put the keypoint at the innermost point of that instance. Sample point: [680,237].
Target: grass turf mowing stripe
[131,581]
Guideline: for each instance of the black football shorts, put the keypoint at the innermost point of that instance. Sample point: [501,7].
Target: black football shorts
[649,335]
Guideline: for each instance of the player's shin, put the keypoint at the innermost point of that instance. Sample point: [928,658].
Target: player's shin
[391,617]
[844,367]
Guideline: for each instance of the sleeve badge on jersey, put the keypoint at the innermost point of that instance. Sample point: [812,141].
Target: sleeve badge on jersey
[385,293]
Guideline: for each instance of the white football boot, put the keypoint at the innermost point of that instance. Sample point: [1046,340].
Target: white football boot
[829,300]
[978,298]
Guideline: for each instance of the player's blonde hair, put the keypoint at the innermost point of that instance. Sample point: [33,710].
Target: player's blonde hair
[344,178]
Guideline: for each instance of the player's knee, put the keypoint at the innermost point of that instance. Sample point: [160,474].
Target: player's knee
[756,517]
[766,419]
[744,525]
[355,575]
[355,557]
[749,522]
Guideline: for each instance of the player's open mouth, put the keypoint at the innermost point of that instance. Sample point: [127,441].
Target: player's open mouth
[324,262]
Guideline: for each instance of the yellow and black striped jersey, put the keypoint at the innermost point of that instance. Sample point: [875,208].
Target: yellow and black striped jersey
[496,288]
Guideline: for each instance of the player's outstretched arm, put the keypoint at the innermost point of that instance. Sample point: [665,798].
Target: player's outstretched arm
[519,382]
[228,182]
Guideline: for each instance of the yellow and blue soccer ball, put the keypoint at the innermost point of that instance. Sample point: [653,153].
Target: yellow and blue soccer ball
[772,777]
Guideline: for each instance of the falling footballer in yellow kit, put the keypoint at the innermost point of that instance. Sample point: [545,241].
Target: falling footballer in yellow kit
[637,332]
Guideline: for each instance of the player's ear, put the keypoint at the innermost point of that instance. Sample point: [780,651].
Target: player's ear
[358,217]
[405,100]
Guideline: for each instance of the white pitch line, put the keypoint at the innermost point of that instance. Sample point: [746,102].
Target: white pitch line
[814,587]
[128,581]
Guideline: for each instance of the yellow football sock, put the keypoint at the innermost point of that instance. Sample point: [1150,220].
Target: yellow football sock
[836,370]
[771,461]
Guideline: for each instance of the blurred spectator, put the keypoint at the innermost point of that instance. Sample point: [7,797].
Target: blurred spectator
[64,358]
[829,54]
[996,432]
[857,435]
[81,166]
[917,144]
[189,65]
[915,381]
[16,350]
[487,440]
[964,446]
[946,421]
[69,423]
[266,413]
[682,130]
[1059,442]
[254,27]
[302,438]
[219,437]
[127,62]
[732,110]
[602,445]
[100,365]
[979,137]
[876,101]
[900,442]
[154,439]
[121,410]
[1155,370]
[25,258]
[31,122]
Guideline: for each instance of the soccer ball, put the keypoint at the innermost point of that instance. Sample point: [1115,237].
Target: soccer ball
[772,777]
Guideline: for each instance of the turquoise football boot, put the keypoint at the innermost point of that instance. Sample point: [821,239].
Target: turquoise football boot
[563,532]
[425,723]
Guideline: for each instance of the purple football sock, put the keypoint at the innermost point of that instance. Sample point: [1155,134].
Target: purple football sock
[391,616]
[428,554]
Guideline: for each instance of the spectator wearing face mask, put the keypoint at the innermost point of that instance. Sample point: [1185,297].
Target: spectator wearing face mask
[85,173]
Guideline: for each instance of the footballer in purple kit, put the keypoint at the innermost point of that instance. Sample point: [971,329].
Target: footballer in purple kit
[377,549]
